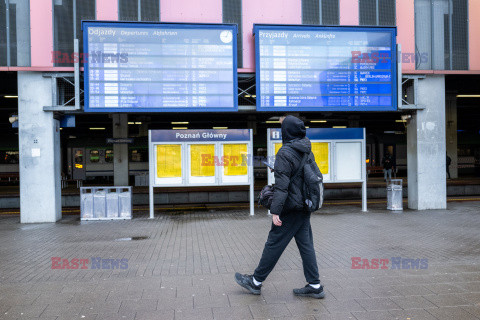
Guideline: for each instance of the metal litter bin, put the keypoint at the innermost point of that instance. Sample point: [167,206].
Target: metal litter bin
[394,194]
[105,203]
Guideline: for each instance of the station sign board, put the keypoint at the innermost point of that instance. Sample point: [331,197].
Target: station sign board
[160,67]
[338,152]
[319,68]
[204,157]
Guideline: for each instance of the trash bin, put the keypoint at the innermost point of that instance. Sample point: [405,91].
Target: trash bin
[125,204]
[99,203]
[112,203]
[105,203]
[86,203]
[394,194]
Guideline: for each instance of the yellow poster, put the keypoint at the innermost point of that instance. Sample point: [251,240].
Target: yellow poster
[320,151]
[202,162]
[233,155]
[169,160]
[277,147]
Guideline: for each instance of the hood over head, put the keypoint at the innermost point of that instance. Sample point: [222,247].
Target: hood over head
[294,132]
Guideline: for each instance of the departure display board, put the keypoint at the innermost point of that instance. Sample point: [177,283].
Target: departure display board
[315,68]
[158,67]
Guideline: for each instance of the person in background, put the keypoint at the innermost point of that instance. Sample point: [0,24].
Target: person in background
[449,162]
[387,163]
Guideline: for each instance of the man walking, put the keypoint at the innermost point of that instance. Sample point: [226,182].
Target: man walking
[289,218]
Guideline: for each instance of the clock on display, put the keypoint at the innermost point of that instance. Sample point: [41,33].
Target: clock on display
[226,36]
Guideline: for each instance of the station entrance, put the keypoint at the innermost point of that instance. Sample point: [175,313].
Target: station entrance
[62,148]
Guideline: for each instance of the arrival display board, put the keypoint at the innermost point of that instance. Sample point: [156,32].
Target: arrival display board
[160,67]
[200,158]
[316,68]
[339,153]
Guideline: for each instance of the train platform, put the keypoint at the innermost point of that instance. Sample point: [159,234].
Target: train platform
[181,266]
[376,189]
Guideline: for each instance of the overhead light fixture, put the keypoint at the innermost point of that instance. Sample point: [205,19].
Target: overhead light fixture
[138,123]
[11,97]
[179,128]
[339,127]
[468,95]
[180,122]
[402,120]
[247,96]
[318,121]
[272,121]
[131,122]
[306,127]
[218,128]
[254,96]
[97,128]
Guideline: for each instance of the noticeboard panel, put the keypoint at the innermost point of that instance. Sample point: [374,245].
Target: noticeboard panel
[160,67]
[348,161]
[320,68]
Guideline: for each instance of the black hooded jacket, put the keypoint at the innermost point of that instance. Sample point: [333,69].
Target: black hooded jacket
[288,194]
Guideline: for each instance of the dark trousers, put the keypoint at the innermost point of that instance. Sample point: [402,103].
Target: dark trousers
[293,225]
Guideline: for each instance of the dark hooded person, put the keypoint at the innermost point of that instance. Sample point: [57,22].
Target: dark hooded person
[289,219]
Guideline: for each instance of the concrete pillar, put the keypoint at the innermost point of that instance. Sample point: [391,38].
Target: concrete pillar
[451,127]
[426,148]
[120,151]
[39,147]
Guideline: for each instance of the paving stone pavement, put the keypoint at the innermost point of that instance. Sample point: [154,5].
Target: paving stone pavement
[184,268]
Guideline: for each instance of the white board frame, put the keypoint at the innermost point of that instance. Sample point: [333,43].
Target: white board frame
[185,182]
[332,162]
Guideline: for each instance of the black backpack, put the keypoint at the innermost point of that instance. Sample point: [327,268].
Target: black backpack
[312,189]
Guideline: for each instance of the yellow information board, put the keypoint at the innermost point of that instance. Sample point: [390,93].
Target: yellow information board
[320,151]
[202,160]
[277,147]
[233,155]
[169,160]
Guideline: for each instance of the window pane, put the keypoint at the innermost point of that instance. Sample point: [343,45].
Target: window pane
[368,12]
[63,29]
[440,32]
[330,14]
[20,33]
[232,13]
[386,12]
[108,156]
[128,10]
[3,34]
[310,12]
[85,11]
[423,34]
[460,35]
[150,10]
[94,156]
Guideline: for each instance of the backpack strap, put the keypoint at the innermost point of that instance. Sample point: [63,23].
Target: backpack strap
[302,164]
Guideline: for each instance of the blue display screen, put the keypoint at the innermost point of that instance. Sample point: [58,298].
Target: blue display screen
[314,68]
[156,67]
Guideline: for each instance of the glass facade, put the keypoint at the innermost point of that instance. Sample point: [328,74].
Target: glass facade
[441,34]
[324,12]
[15,33]
[139,10]
[377,12]
[67,25]
[232,13]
